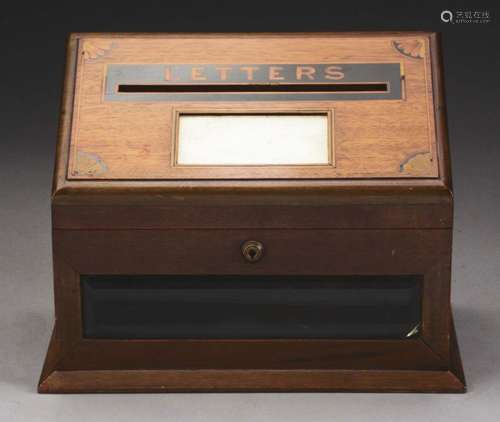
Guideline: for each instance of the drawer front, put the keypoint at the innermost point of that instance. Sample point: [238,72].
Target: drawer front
[182,286]
[294,252]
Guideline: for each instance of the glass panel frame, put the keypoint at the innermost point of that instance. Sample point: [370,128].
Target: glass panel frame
[251,307]
[286,143]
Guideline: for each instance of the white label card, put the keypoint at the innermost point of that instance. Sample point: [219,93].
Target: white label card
[256,140]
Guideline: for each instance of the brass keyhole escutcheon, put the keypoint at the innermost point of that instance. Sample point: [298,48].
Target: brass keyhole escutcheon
[252,250]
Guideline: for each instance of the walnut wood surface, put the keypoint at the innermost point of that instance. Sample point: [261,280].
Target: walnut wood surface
[306,252]
[57,380]
[372,138]
[379,211]
[360,216]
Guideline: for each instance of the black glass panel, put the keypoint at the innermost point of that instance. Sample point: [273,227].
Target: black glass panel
[250,306]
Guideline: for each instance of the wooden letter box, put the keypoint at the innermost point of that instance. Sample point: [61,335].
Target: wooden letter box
[252,212]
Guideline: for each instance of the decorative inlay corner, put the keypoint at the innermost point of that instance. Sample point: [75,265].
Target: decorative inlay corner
[417,164]
[89,164]
[96,48]
[410,48]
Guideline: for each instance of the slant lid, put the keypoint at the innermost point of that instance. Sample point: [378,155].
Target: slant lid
[308,106]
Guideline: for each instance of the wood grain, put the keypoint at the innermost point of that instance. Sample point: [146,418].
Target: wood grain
[254,380]
[386,207]
[377,138]
[288,252]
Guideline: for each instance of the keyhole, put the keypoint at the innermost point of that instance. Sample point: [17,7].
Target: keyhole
[252,250]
